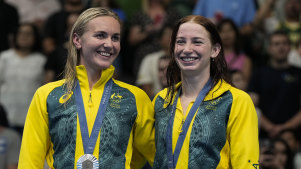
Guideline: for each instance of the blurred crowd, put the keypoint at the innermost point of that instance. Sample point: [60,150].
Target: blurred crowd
[262,47]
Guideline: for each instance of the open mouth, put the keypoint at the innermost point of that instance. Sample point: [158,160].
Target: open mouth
[104,53]
[188,59]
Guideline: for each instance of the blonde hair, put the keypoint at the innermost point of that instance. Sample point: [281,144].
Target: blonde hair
[79,29]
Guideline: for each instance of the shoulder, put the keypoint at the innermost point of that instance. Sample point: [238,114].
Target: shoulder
[49,87]
[7,53]
[136,91]
[239,94]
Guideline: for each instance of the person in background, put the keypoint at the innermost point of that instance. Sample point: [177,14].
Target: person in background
[21,73]
[291,138]
[148,76]
[201,120]
[275,154]
[143,33]
[235,56]
[56,61]
[238,80]
[241,12]
[54,31]
[162,68]
[10,16]
[89,119]
[294,57]
[275,89]
[10,143]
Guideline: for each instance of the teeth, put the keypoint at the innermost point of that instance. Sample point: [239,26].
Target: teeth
[188,59]
[104,53]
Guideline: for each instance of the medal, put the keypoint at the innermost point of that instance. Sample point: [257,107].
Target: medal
[87,161]
[173,157]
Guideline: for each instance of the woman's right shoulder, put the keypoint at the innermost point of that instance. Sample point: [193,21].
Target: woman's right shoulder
[47,88]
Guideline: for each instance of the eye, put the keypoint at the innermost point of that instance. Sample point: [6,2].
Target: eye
[101,35]
[116,38]
[180,41]
[198,42]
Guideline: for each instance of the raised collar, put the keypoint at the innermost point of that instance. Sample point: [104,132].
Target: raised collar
[82,76]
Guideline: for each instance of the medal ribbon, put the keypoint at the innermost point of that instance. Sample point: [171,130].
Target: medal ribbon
[89,142]
[173,158]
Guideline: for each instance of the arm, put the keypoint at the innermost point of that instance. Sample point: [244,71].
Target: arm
[144,134]
[36,139]
[242,133]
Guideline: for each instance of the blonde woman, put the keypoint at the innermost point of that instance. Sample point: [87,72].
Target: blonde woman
[89,119]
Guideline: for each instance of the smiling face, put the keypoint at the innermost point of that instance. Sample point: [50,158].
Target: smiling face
[100,43]
[193,49]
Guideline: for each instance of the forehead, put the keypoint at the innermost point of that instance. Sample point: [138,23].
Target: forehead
[104,23]
[192,29]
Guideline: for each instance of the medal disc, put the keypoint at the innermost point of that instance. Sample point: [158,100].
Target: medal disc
[87,161]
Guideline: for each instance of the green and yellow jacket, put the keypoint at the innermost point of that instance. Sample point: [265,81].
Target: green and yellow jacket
[52,128]
[223,133]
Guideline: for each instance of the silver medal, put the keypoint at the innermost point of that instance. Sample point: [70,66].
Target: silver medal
[87,161]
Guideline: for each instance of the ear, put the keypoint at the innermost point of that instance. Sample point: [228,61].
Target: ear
[216,48]
[76,41]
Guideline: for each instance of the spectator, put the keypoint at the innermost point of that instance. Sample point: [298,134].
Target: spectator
[275,89]
[239,81]
[235,56]
[292,23]
[9,17]
[294,58]
[112,4]
[21,73]
[148,74]
[35,11]
[54,30]
[275,154]
[241,12]
[56,61]
[162,68]
[290,136]
[144,31]
[9,144]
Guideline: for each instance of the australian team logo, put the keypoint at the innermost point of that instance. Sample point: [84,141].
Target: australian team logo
[115,100]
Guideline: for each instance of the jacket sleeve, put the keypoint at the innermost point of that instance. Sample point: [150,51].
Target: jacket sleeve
[36,139]
[242,133]
[144,133]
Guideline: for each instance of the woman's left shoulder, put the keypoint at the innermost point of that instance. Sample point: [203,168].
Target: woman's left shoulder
[136,91]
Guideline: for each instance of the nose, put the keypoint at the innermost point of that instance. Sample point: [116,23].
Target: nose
[187,48]
[108,44]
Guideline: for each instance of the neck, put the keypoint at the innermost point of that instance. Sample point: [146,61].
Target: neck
[23,52]
[191,86]
[279,64]
[93,77]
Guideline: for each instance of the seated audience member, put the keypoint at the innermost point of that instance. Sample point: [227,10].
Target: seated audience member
[290,136]
[276,90]
[275,154]
[9,144]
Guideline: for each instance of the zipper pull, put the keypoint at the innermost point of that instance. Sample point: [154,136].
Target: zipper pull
[90,103]
[181,126]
